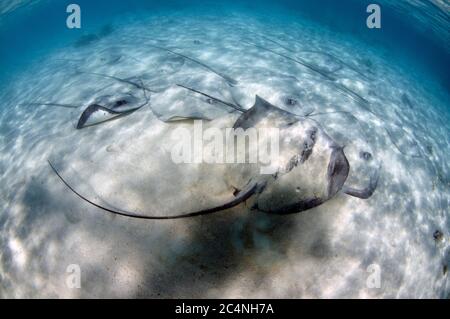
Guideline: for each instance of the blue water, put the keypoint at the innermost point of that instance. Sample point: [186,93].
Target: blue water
[424,41]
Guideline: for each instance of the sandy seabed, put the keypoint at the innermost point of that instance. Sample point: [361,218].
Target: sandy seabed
[324,252]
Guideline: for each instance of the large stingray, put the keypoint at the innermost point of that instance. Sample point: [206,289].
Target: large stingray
[310,168]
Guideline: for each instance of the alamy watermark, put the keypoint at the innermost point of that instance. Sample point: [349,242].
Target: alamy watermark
[73,21]
[374,19]
[374,279]
[73,279]
[227,146]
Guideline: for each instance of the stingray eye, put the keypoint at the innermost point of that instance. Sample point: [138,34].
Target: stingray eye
[365,156]
[120,103]
[290,101]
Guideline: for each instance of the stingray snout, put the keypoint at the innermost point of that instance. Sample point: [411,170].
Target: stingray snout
[338,169]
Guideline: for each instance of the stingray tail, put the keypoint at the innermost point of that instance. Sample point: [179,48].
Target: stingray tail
[247,192]
[237,108]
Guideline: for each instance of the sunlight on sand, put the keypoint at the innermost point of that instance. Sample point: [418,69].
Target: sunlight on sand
[324,252]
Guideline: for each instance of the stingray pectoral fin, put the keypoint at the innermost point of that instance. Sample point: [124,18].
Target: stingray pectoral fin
[364,193]
[247,192]
[96,114]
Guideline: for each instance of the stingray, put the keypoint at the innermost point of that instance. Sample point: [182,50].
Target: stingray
[310,169]
[406,101]
[139,85]
[106,30]
[328,63]
[340,63]
[85,40]
[296,60]
[75,106]
[112,108]
[109,60]
[303,62]
[352,94]
[403,142]
[88,39]
[228,79]
[210,99]
[180,102]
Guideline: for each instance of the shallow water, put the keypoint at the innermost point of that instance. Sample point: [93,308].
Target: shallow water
[380,95]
